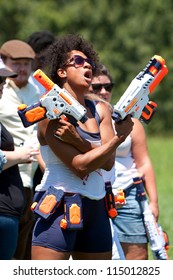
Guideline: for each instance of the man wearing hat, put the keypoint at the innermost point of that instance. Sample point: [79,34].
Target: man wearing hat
[17,55]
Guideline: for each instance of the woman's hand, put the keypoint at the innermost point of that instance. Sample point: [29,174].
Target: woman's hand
[124,128]
[66,132]
[26,154]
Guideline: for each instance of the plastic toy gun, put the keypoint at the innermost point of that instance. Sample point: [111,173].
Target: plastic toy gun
[135,100]
[158,239]
[54,103]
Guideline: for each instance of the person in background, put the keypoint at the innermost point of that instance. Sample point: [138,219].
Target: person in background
[18,56]
[103,88]
[132,158]
[40,41]
[72,166]
[12,199]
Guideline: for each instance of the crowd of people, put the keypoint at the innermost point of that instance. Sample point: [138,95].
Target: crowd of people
[69,161]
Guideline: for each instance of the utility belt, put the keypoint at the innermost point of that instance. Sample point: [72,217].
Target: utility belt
[52,199]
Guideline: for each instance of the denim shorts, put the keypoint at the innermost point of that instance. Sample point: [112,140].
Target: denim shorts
[94,237]
[129,223]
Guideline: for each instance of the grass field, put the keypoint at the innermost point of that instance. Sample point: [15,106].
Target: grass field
[161,153]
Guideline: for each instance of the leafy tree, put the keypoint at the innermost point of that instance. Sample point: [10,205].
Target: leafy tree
[126,33]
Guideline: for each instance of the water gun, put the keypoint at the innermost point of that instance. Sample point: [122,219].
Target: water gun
[158,239]
[135,100]
[54,103]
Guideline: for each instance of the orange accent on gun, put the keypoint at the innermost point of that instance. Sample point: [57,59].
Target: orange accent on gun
[43,79]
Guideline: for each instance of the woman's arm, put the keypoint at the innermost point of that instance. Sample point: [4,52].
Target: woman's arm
[82,164]
[19,155]
[68,133]
[144,164]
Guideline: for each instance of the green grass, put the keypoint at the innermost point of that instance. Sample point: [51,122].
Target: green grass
[161,153]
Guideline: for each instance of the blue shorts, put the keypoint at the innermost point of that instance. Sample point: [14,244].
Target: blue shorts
[95,237]
[8,236]
[129,223]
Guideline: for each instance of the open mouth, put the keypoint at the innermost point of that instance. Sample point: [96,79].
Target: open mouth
[88,75]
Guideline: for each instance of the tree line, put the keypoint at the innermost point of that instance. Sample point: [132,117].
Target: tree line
[126,34]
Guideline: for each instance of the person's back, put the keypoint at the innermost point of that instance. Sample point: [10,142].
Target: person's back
[18,56]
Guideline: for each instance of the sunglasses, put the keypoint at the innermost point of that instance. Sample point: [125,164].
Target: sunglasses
[2,79]
[79,61]
[97,87]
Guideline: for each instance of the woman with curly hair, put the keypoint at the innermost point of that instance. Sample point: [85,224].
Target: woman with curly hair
[74,157]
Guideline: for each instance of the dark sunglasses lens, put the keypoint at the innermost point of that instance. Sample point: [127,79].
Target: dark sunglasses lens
[98,87]
[108,87]
[2,79]
[79,60]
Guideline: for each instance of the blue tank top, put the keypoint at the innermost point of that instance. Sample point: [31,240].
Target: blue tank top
[92,137]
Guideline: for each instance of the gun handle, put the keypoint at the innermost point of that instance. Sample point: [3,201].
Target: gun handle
[148,112]
[116,117]
[31,114]
[43,79]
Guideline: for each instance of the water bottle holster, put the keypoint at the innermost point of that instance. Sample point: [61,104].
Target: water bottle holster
[72,212]
[48,203]
[110,201]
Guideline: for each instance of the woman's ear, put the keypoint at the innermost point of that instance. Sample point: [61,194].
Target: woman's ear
[61,73]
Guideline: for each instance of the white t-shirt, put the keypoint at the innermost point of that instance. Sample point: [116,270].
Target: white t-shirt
[13,97]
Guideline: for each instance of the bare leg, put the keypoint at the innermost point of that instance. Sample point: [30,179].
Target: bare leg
[92,256]
[42,253]
[135,251]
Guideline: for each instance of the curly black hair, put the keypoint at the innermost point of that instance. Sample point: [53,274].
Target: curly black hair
[59,53]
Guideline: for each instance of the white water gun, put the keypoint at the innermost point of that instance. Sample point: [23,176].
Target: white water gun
[135,100]
[54,103]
